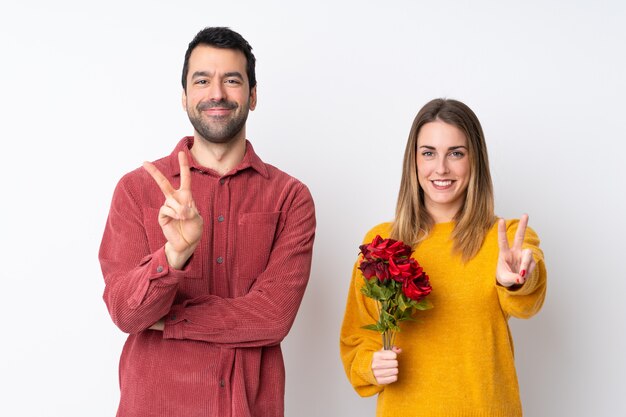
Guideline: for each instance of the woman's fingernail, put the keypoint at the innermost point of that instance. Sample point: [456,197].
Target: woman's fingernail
[517,280]
[523,273]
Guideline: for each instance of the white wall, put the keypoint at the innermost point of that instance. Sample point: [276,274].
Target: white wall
[89,91]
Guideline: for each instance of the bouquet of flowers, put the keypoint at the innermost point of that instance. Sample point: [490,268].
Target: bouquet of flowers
[396,282]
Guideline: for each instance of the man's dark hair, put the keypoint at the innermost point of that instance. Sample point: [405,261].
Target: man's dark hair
[222,37]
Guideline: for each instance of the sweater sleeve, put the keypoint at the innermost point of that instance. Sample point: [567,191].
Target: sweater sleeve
[139,284]
[527,300]
[357,345]
[265,314]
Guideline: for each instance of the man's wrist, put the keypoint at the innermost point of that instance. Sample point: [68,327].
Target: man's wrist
[159,325]
[175,259]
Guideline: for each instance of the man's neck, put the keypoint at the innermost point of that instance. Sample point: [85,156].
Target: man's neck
[220,157]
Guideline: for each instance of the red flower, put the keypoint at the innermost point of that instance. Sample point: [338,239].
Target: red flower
[417,288]
[404,269]
[376,269]
[385,249]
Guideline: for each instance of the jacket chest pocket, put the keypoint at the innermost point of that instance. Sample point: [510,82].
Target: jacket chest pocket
[256,233]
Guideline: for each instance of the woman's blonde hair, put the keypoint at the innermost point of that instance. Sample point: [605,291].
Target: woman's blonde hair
[413,222]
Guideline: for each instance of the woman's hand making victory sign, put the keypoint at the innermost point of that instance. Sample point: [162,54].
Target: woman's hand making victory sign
[179,218]
[514,263]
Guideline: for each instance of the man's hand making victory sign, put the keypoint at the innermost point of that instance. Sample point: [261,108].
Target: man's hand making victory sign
[179,218]
[514,263]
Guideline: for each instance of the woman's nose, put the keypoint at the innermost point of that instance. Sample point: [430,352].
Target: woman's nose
[442,166]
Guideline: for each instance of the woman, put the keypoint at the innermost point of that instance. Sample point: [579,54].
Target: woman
[455,359]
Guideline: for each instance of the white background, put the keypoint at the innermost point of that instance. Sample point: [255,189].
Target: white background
[89,91]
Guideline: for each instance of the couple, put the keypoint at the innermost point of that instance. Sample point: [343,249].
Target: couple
[206,254]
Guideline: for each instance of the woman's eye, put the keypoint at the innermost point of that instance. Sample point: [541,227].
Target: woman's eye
[427,153]
[457,154]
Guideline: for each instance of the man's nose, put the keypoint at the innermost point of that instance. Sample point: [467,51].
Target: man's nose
[216,91]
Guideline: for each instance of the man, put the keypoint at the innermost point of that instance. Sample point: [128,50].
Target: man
[206,254]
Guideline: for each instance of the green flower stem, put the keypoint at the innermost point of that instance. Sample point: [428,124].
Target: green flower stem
[388,339]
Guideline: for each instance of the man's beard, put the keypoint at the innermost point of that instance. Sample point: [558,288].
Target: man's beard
[221,129]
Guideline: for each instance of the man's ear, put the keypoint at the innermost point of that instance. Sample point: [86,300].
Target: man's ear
[184,100]
[253,98]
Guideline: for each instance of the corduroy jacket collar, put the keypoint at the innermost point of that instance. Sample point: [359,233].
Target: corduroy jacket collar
[250,160]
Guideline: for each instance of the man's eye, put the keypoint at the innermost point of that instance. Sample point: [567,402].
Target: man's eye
[202,82]
[233,81]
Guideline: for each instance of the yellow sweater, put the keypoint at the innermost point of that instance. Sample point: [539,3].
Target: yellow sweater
[457,358]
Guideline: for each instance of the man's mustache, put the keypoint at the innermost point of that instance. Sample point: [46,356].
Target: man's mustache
[223,104]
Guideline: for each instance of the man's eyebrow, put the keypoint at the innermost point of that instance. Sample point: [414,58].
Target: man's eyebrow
[197,74]
[234,74]
[201,74]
